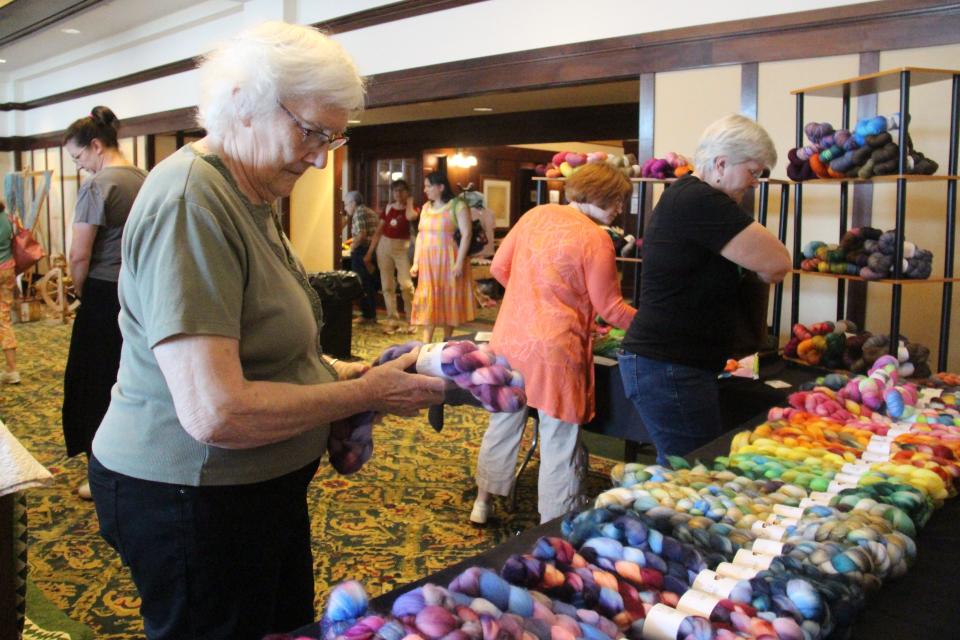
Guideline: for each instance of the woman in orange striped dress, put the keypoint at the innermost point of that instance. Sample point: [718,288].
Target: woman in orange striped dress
[443,296]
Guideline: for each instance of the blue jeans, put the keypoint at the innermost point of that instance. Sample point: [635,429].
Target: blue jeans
[679,405]
[368,303]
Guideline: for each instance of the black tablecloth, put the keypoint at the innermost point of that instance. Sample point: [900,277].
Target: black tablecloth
[923,604]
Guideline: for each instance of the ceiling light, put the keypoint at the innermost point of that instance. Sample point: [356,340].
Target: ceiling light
[483,109]
[462,161]
[2,61]
[71,31]
[353,122]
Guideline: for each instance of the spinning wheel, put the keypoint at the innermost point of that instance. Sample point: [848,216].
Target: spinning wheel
[56,290]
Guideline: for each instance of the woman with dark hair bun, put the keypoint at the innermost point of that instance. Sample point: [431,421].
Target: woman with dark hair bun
[103,204]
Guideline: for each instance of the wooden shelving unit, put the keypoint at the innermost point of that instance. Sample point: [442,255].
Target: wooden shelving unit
[900,79]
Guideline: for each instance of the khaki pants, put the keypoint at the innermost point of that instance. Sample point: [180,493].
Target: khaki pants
[393,261]
[563,461]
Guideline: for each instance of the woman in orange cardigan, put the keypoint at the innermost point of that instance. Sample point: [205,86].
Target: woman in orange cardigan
[558,268]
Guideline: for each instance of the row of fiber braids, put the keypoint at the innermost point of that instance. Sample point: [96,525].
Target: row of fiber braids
[889,551]
[475,368]
[477,605]
[779,605]
[629,582]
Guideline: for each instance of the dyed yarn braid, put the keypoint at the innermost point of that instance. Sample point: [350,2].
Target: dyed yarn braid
[476,369]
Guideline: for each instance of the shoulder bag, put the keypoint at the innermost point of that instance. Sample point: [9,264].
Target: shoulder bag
[478,237]
[27,251]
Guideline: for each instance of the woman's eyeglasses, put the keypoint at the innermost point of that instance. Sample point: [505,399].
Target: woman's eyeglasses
[317,137]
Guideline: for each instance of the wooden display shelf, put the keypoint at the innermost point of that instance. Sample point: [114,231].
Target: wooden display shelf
[909,177]
[843,276]
[888,80]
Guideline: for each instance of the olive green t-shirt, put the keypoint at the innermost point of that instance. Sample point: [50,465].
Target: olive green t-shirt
[200,259]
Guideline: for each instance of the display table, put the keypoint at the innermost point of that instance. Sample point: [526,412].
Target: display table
[923,604]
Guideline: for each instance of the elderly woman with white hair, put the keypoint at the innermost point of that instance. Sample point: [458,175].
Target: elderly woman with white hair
[223,400]
[695,250]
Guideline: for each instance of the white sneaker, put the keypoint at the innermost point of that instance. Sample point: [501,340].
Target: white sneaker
[481,511]
[10,377]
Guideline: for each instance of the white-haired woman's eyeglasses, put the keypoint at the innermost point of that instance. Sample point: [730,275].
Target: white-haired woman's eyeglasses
[315,136]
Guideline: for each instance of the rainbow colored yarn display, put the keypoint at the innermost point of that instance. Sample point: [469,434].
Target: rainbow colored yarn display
[476,369]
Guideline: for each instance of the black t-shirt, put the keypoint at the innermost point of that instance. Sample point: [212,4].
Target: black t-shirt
[688,291]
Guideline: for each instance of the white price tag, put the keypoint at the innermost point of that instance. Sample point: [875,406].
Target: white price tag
[662,623]
[747,558]
[880,447]
[898,429]
[736,571]
[847,478]
[768,531]
[822,497]
[789,512]
[837,487]
[855,468]
[428,360]
[709,582]
[782,521]
[767,547]
[872,458]
[698,603]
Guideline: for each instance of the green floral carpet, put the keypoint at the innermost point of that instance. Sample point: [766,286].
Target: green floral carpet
[400,518]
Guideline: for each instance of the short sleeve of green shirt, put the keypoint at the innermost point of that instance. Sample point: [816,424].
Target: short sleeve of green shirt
[189,267]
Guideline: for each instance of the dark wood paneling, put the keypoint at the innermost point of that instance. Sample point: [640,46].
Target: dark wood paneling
[389,13]
[862,208]
[581,123]
[808,34]
[175,120]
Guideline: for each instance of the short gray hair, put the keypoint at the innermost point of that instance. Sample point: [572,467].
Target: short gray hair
[738,138]
[271,61]
[355,197]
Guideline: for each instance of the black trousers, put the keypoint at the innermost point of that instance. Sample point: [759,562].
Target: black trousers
[212,562]
[92,364]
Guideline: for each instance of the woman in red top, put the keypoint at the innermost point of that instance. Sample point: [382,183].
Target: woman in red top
[391,243]
[558,268]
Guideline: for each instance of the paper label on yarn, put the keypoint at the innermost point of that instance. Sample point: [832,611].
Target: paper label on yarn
[898,429]
[428,361]
[837,487]
[847,478]
[782,521]
[768,531]
[789,512]
[767,547]
[747,558]
[870,456]
[929,393]
[698,603]
[880,447]
[483,336]
[663,623]
[821,497]
[777,384]
[736,571]
[806,503]
[855,468]
[709,582]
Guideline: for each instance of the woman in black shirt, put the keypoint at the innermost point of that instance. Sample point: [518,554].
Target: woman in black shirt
[695,249]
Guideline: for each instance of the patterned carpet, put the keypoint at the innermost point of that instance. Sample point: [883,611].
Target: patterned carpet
[402,517]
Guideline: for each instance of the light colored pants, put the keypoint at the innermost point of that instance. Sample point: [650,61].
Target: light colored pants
[7,282]
[393,260]
[563,461]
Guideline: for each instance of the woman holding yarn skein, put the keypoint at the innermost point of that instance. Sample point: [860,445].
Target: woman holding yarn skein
[444,294]
[224,399]
[559,271]
[103,204]
[695,248]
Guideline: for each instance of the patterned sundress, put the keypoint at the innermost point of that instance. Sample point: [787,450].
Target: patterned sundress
[440,298]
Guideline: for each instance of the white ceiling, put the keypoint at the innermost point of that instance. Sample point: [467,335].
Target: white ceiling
[103,20]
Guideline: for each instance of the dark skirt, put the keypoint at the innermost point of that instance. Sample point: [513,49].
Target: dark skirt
[91,365]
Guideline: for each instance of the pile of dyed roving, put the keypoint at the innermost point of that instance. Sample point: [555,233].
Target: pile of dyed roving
[784,538]
[476,369]
[866,252]
[869,150]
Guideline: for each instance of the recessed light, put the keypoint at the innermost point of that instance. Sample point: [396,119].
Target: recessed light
[2,61]
[483,108]
[71,31]
[353,122]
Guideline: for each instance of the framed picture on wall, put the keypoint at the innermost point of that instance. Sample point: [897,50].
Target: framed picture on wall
[496,197]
